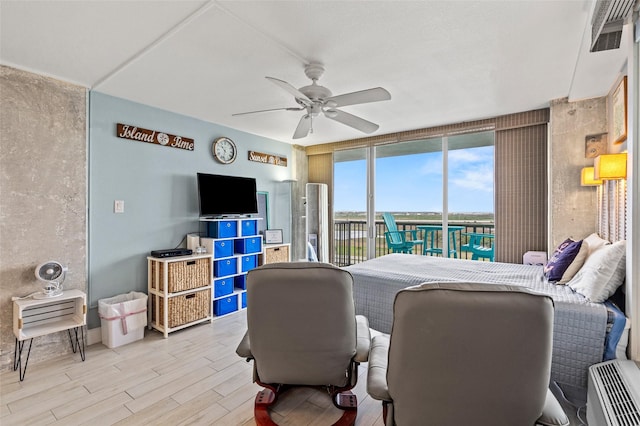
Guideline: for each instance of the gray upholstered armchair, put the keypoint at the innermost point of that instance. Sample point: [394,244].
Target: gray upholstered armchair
[303,331]
[466,354]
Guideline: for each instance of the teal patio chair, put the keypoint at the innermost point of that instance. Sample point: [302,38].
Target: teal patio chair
[399,241]
[477,249]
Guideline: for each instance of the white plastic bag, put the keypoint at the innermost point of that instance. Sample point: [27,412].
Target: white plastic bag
[127,308]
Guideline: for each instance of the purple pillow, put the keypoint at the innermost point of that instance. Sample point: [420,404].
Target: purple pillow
[561,259]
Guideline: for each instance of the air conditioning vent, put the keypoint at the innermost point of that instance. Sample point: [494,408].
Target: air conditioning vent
[606,24]
[613,397]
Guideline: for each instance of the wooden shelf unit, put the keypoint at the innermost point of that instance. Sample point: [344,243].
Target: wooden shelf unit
[170,297]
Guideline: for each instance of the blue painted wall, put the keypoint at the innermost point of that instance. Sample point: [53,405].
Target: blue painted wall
[158,186]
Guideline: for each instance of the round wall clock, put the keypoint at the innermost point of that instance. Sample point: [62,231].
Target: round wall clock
[224,150]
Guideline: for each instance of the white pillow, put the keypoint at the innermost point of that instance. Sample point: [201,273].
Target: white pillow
[602,273]
[595,242]
[577,263]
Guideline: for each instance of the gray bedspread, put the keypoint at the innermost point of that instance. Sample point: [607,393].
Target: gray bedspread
[579,325]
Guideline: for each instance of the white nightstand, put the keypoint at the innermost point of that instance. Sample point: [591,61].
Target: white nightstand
[39,317]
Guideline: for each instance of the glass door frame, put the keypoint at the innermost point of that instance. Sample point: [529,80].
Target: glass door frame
[370,158]
[371,203]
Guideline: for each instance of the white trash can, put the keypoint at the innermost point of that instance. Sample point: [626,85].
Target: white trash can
[123,318]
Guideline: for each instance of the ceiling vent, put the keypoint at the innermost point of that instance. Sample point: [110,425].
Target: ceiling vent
[606,24]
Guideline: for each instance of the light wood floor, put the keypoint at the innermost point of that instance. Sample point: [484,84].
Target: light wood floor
[192,378]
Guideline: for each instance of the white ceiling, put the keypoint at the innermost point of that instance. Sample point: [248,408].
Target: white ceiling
[442,61]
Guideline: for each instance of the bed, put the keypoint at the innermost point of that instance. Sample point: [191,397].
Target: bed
[580,327]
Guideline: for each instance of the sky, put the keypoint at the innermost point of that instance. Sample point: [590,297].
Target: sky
[413,183]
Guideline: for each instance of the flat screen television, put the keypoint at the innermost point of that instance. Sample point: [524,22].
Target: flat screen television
[220,195]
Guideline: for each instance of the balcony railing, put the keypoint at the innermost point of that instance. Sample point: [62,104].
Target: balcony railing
[350,238]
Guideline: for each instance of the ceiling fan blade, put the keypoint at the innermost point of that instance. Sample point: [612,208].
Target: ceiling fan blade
[362,97]
[289,88]
[268,110]
[303,127]
[353,121]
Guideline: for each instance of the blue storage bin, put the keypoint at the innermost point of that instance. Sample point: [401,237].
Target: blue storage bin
[222,248]
[249,262]
[225,305]
[222,268]
[240,281]
[244,300]
[248,245]
[223,287]
[222,229]
[249,227]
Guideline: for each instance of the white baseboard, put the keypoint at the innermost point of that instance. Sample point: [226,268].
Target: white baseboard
[94,335]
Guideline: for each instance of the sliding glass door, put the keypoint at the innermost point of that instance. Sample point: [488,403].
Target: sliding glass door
[408,184]
[470,212]
[350,206]
[436,187]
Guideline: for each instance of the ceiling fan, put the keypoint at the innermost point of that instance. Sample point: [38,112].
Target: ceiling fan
[315,99]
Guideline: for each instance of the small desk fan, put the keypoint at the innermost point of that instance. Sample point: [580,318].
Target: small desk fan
[53,274]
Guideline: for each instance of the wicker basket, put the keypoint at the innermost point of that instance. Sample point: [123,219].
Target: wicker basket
[182,275]
[276,254]
[183,309]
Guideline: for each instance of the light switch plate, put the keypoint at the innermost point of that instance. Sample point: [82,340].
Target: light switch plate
[118,206]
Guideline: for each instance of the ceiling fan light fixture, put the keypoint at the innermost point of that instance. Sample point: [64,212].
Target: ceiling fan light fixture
[331,113]
[331,104]
[314,110]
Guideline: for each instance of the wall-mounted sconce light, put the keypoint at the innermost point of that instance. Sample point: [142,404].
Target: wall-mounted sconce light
[587,177]
[610,166]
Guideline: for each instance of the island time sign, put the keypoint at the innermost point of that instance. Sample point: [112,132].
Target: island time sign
[126,131]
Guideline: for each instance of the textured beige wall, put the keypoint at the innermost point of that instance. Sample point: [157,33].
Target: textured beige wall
[43,194]
[572,207]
